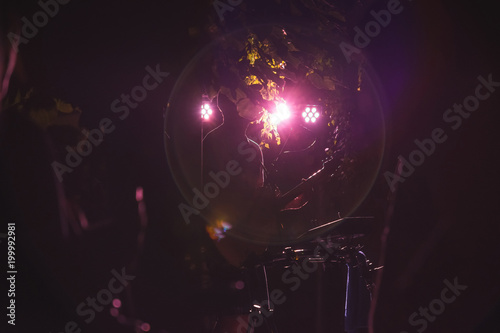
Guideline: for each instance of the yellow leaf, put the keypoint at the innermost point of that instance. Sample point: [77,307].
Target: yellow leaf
[316,80]
[337,15]
[251,80]
[329,84]
[63,106]
[18,97]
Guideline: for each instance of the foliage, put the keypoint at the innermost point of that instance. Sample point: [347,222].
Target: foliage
[277,61]
[44,111]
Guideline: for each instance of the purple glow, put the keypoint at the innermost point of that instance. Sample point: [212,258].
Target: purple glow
[145,327]
[83,219]
[117,303]
[139,194]
[114,312]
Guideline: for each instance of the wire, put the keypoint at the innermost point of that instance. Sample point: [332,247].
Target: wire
[222,123]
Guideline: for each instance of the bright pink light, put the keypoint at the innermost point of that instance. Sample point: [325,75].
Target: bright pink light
[206,111]
[282,113]
[310,114]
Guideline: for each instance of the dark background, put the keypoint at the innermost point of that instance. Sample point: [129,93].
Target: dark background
[444,225]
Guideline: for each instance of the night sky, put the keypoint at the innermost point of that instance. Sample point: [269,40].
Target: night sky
[443,219]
